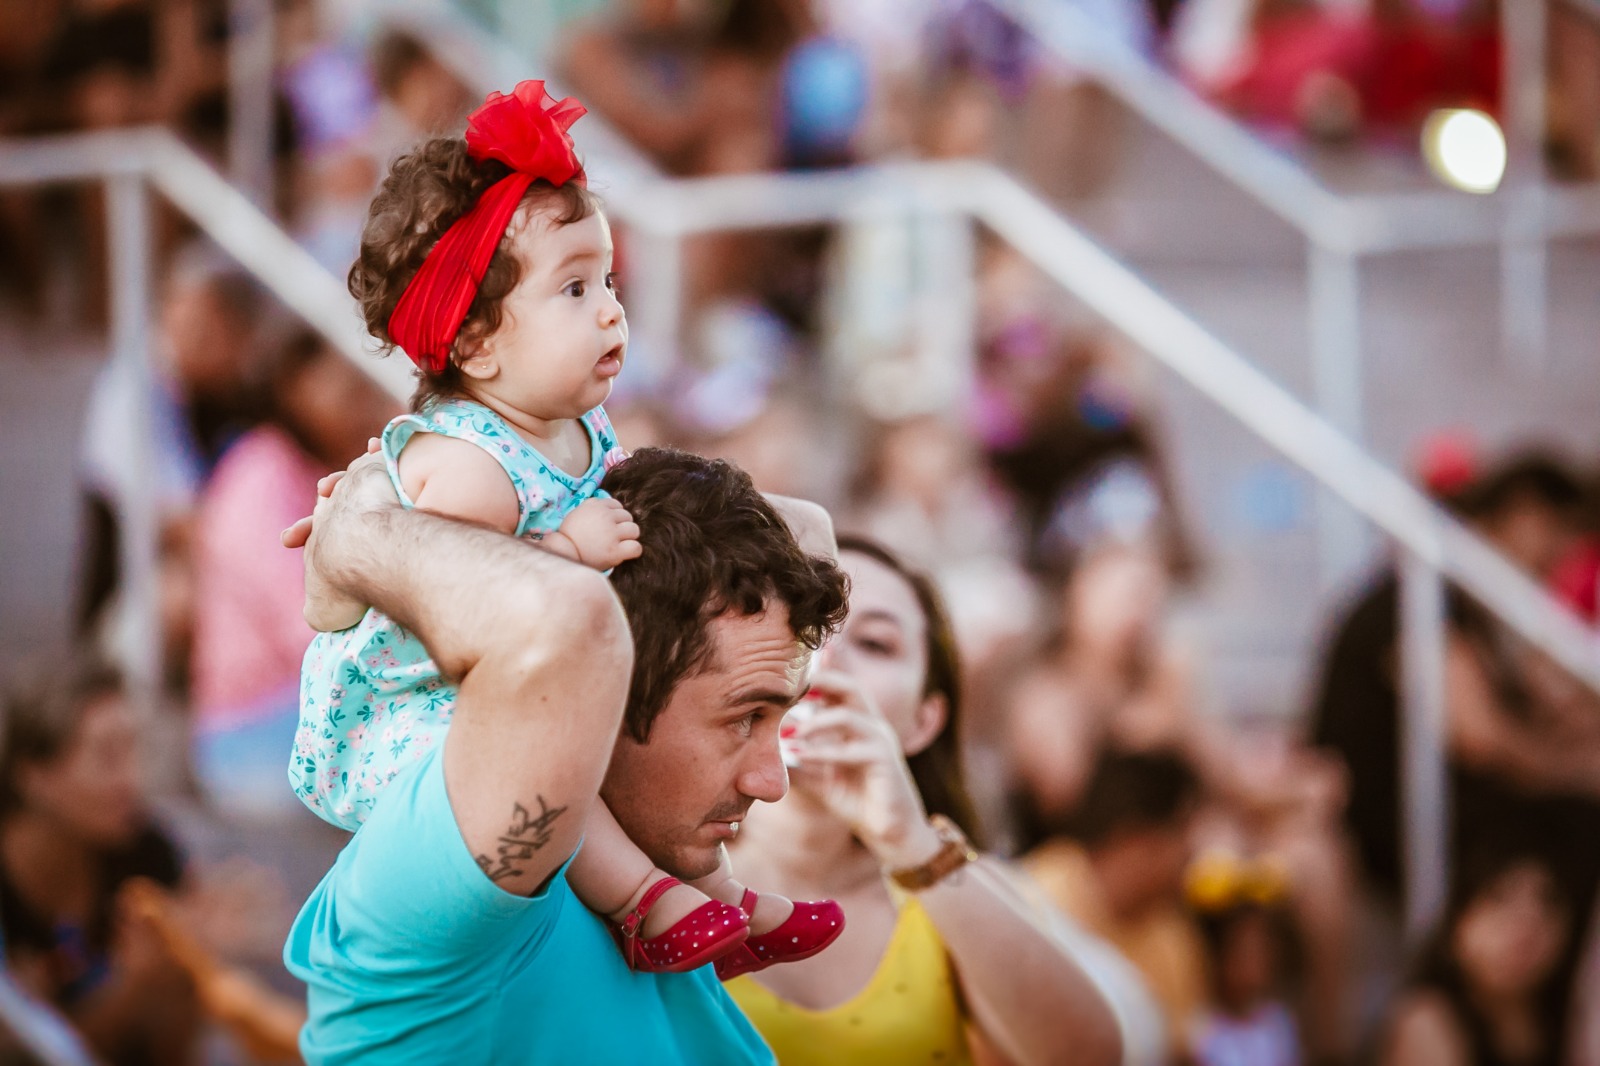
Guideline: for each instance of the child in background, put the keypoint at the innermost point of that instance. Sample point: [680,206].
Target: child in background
[488,261]
[1238,908]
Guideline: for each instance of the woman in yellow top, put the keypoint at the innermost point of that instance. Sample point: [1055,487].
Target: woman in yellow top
[941,961]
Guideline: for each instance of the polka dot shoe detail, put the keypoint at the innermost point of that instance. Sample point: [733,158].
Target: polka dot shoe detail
[812,927]
[708,932]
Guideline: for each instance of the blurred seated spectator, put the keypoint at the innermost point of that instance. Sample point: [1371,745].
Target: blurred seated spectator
[419,96]
[1121,874]
[1114,679]
[249,636]
[1489,987]
[333,107]
[642,66]
[696,85]
[207,369]
[1517,760]
[922,485]
[1240,907]
[1574,118]
[1335,71]
[75,835]
[1068,422]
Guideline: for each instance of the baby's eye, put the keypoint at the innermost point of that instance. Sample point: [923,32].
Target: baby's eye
[611,281]
[574,289]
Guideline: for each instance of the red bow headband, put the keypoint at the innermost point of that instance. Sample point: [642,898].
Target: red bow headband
[527,131]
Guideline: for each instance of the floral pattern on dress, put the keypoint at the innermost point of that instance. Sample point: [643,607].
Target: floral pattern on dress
[372,702]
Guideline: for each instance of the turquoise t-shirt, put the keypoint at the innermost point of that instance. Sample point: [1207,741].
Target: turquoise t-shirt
[410,954]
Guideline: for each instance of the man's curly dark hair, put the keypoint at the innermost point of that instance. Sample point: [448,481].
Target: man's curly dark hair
[712,545]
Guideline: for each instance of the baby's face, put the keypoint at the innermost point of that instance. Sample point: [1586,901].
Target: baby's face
[563,334]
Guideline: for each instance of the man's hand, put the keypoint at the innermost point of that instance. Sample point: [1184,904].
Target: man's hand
[330,535]
[602,532]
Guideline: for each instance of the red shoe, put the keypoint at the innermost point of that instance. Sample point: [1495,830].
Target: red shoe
[812,927]
[710,931]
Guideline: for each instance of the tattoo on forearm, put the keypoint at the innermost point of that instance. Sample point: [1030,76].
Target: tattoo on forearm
[525,835]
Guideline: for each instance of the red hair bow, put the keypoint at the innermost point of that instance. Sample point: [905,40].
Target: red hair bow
[527,131]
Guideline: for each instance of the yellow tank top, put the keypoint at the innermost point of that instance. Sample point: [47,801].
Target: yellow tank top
[908,1013]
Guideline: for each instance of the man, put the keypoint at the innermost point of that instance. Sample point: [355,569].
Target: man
[446,931]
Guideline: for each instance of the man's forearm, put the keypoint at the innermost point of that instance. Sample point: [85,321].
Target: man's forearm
[459,587]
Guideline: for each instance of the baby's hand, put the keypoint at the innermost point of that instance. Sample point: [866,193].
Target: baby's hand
[603,533]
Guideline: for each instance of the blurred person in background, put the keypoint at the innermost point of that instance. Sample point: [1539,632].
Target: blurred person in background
[955,970]
[1120,874]
[1513,755]
[111,64]
[922,486]
[75,833]
[642,64]
[1116,681]
[101,915]
[1239,907]
[205,393]
[249,635]
[1489,990]
[1336,71]
[420,96]
[1068,421]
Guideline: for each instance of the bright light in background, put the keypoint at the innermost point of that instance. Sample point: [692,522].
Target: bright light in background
[1465,149]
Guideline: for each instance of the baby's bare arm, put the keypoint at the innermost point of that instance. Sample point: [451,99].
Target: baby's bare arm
[458,479]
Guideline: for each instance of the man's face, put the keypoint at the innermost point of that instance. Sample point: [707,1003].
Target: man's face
[713,750]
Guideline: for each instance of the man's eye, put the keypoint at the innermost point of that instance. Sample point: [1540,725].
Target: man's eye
[747,724]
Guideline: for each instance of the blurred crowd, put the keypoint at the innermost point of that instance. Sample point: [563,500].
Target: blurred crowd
[1253,873]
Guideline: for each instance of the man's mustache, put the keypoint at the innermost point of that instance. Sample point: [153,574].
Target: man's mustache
[730,812]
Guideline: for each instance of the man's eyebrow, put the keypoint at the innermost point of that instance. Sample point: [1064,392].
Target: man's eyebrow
[777,697]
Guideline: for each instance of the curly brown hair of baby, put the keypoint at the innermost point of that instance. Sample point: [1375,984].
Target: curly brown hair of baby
[426,191]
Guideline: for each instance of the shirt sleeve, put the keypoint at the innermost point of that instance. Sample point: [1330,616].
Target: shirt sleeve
[409,898]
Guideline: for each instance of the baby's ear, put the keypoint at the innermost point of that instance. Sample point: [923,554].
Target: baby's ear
[475,359]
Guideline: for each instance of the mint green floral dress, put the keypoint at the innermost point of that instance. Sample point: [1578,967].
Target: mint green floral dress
[371,700]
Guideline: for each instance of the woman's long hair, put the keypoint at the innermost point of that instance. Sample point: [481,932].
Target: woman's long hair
[937,768]
[1439,971]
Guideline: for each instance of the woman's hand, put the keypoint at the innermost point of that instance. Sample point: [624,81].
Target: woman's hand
[850,760]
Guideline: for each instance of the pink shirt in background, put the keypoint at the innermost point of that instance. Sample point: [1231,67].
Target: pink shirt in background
[249,633]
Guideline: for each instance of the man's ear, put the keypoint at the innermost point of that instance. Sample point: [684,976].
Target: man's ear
[927,723]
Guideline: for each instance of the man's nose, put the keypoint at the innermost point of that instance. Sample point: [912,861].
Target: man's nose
[765,777]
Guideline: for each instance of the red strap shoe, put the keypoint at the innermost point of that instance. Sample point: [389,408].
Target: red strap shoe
[708,932]
[812,927]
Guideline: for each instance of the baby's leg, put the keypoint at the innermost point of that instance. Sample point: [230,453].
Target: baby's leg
[771,910]
[610,875]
